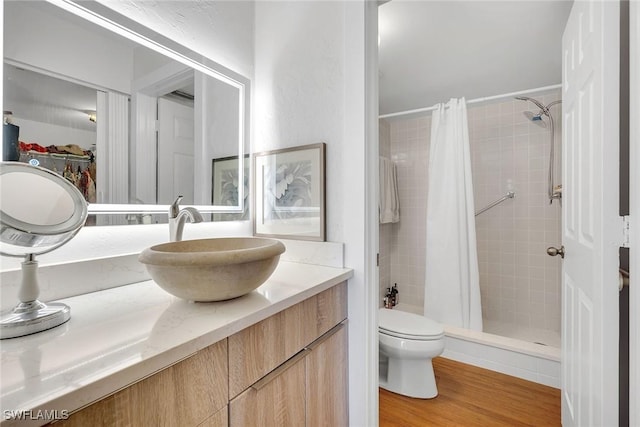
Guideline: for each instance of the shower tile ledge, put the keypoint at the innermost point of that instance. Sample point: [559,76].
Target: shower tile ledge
[511,344]
[489,339]
[118,336]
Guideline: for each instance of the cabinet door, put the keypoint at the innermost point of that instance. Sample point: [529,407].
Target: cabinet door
[260,348]
[276,400]
[219,419]
[185,394]
[327,382]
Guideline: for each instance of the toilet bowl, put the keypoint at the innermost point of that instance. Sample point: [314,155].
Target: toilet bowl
[407,344]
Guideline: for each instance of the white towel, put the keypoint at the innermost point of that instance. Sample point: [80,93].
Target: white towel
[389,203]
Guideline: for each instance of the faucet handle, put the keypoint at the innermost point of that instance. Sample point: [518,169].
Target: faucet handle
[174,209]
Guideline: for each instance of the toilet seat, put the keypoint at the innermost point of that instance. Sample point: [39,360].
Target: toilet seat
[409,326]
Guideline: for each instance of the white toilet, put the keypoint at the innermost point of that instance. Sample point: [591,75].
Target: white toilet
[408,342]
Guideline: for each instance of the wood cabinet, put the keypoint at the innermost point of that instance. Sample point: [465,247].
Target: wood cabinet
[327,380]
[287,370]
[259,349]
[219,419]
[187,393]
[278,399]
[310,389]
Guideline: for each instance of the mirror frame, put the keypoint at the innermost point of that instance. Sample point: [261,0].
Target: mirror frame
[119,24]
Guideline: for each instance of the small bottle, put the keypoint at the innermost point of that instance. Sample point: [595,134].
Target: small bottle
[395,298]
[388,303]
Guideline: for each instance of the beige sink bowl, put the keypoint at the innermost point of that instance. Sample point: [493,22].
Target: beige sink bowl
[212,269]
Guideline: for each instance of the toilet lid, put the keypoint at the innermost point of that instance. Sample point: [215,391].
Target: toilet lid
[408,325]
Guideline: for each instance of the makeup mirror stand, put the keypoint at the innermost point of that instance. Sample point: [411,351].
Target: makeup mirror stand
[30,315]
[49,217]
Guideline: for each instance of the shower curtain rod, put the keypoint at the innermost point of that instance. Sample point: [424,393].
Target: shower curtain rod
[474,101]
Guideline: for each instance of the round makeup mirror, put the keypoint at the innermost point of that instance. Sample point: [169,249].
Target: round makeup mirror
[39,212]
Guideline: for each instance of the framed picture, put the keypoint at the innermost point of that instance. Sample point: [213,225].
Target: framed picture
[290,193]
[224,187]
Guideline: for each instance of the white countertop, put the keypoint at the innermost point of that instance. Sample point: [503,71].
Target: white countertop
[118,336]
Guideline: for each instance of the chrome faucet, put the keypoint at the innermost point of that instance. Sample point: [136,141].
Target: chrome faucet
[177,218]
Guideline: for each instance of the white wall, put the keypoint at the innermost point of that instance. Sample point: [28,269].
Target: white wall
[221,31]
[310,87]
[299,87]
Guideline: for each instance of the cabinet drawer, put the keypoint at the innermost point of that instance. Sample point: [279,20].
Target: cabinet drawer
[277,400]
[219,419]
[327,380]
[185,394]
[258,349]
[310,389]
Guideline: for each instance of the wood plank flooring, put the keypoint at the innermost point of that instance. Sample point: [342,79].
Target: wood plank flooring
[473,397]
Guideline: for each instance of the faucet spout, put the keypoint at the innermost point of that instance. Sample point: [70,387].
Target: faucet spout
[178,217]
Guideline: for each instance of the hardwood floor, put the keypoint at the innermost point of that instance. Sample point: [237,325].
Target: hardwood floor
[470,396]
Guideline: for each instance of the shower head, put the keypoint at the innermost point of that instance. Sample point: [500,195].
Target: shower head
[536,118]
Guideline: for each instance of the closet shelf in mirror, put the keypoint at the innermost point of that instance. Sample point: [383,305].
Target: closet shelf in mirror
[79,170]
[38,155]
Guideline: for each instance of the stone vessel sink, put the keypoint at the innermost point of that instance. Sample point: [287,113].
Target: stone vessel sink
[212,269]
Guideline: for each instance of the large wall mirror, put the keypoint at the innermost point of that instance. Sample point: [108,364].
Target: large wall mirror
[131,117]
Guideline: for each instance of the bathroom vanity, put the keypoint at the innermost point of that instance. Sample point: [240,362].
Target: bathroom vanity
[135,355]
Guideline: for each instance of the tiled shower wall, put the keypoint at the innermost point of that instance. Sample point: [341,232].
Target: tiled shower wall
[519,283]
[385,229]
[409,149]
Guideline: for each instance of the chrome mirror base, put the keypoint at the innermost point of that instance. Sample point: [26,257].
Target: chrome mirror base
[30,317]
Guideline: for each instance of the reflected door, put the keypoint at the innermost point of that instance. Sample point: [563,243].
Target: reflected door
[175,152]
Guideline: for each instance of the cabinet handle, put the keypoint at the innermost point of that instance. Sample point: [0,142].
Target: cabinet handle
[326,336]
[279,370]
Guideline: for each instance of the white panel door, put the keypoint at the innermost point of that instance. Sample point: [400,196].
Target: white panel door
[591,225]
[175,152]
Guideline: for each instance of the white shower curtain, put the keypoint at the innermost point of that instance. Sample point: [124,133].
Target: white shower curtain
[452,288]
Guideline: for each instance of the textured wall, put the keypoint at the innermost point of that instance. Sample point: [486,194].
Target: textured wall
[299,88]
[220,30]
[310,87]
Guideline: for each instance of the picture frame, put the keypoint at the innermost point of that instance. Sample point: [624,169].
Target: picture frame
[290,193]
[224,187]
